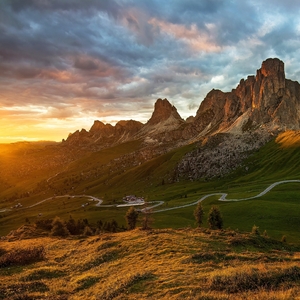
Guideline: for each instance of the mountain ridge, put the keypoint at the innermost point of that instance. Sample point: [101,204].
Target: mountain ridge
[267,101]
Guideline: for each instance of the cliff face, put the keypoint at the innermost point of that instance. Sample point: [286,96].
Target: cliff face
[164,111]
[164,124]
[267,100]
[103,135]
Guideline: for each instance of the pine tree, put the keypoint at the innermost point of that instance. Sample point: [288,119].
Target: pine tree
[71,226]
[114,225]
[99,224]
[107,226]
[131,217]
[80,226]
[215,220]
[198,214]
[59,228]
[147,220]
[87,231]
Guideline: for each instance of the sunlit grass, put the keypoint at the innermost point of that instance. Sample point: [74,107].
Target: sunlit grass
[157,264]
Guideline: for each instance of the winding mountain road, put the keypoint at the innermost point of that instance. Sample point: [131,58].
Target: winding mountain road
[159,203]
[222,197]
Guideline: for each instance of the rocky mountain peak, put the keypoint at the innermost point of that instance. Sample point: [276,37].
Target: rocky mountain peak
[98,125]
[273,67]
[163,110]
[129,126]
[266,100]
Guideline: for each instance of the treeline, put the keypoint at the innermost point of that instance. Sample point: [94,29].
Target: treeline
[59,227]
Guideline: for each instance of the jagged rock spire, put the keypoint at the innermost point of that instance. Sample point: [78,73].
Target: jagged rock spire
[163,110]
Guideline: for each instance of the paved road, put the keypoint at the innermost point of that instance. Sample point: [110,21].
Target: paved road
[159,203]
[222,197]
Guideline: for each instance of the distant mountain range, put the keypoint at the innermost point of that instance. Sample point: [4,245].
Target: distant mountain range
[267,102]
[243,135]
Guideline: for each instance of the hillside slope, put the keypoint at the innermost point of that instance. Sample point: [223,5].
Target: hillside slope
[155,264]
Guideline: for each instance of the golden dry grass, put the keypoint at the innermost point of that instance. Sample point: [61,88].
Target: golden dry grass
[289,139]
[156,264]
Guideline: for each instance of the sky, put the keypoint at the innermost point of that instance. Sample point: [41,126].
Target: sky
[64,64]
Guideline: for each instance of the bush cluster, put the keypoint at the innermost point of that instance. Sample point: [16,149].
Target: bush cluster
[59,227]
[214,218]
[254,280]
[22,256]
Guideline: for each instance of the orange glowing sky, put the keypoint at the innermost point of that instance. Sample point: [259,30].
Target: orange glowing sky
[64,64]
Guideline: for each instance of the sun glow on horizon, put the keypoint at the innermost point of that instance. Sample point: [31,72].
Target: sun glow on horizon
[21,124]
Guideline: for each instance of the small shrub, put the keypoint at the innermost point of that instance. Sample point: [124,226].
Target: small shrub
[255,230]
[88,231]
[44,224]
[22,256]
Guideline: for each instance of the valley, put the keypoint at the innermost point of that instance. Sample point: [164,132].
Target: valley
[238,144]
[240,153]
[149,150]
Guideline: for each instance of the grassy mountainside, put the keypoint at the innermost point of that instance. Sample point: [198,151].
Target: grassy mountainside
[112,173]
[155,264]
[278,159]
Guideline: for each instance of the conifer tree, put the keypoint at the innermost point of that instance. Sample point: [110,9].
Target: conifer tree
[215,220]
[87,231]
[147,220]
[198,214]
[59,228]
[131,217]
[71,226]
[114,225]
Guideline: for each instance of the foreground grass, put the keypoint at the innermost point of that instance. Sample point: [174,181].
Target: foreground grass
[155,264]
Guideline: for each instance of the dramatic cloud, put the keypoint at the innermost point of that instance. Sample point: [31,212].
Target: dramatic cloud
[65,63]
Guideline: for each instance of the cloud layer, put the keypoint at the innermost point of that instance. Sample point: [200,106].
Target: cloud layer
[65,63]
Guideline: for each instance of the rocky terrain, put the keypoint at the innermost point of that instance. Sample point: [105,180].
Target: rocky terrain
[227,128]
[236,123]
[267,99]
[219,154]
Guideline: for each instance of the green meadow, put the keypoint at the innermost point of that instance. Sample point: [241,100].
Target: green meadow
[103,175]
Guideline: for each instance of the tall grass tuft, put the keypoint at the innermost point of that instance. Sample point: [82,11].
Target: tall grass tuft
[22,256]
[254,280]
[118,287]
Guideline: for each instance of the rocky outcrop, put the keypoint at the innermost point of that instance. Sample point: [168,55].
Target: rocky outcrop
[219,154]
[266,99]
[164,111]
[165,124]
[103,135]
